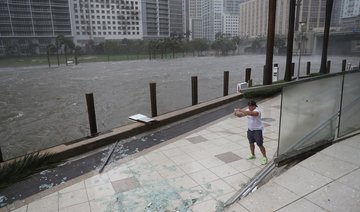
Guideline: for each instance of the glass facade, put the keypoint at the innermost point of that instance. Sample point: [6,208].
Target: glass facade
[349,120]
[311,115]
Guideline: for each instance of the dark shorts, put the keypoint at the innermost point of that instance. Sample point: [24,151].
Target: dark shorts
[255,136]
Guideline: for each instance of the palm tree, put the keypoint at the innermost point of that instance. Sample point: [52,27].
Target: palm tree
[68,44]
[77,51]
[50,48]
[58,43]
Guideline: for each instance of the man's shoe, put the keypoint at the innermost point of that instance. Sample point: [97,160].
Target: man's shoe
[263,161]
[252,157]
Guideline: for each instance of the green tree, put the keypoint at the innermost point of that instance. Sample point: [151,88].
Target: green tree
[11,48]
[223,45]
[50,49]
[200,45]
[33,48]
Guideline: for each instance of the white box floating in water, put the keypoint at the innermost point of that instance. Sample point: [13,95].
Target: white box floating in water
[141,118]
[241,86]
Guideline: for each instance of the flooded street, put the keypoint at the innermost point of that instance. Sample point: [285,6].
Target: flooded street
[43,107]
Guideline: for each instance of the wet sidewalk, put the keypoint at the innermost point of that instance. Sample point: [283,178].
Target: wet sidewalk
[326,181]
[199,170]
[194,171]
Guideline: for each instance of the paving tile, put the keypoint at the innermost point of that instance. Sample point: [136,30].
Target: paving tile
[223,198]
[191,167]
[336,197]
[228,157]
[196,139]
[83,207]
[301,205]
[217,188]
[72,198]
[99,179]
[328,166]
[211,136]
[224,170]
[199,154]
[131,200]
[77,186]
[100,191]
[21,209]
[148,177]
[203,176]
[192,148]
[352,180]
[216,150]
[235,208]
[155,157]
[308,182]
[270,196]
[161,196]
[209,205]
[237,181]
[196,194]
[251,172]
[173,152]
[44,204]
[353,142]
[125,184]
[343,152]
[238,138]
[182,142]
[120,172]
[211,162]
[104,204]
[220,142]
[183,182]
[181,159]
[170,171]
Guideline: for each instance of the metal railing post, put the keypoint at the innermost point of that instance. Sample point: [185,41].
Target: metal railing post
[308,66]
[247,74]
[91,113]
[194,90]
[226,83]
[153,99]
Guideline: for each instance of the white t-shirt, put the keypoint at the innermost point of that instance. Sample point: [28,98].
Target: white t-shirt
[254,122]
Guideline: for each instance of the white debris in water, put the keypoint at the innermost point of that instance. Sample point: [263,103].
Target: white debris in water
[45,172]
[3,199]
[63,164]
[18,115]
[46,186]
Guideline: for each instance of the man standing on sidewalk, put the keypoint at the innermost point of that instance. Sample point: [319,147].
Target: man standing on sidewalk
[255,129]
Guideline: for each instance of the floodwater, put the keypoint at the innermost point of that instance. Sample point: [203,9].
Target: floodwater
[43,107]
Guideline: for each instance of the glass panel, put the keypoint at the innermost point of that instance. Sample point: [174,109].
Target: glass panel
[349,120]
[309,113]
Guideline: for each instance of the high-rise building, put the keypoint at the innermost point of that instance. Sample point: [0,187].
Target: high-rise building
[350,16]
[101,20]
[232,6]
[176,17]
[28,27]
[193,18]
[253,21]
[156,18]
[230,25]
[351,8]
[211,18]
